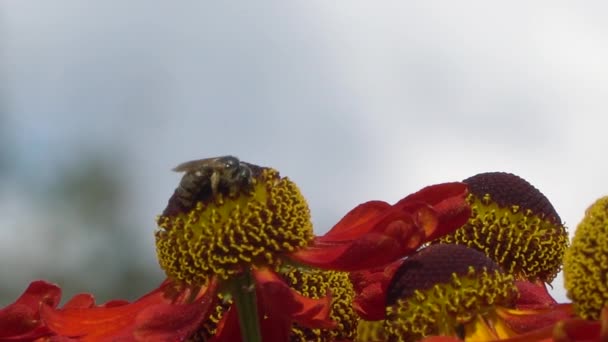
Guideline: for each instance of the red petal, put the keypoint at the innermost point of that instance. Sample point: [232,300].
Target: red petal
[448,200]
[577,330]
[375,233]
[370,291]
[572,329]
[273,329]
[357,222]
[228,329]
[115,302]
[80,301]
[22,318]
[278,307]
[111,322]
[533,295]
[279,300]
[437,195]
[524,321]
[399,238]
[175,322]
[604,322]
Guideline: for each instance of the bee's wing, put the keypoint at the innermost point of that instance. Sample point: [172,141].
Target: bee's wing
[197,164]
[193,164]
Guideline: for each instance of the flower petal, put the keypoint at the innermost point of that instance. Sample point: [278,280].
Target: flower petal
[357,222]
[533,295]
[21,320]
[114,321]
[449,202]
[526,320]
[175,322]
[370,250]
[375,233]
[278,307]
[80,301]
[281,300]
[370,290]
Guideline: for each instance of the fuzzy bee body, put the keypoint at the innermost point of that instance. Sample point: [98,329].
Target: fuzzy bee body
[219,174]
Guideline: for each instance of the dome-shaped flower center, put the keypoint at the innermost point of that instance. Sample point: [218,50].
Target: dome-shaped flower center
[314,283]
[514,224]
[586,262]
[222,233]
[442,287]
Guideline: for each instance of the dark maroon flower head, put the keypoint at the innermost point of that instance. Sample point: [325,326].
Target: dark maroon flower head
[514,224]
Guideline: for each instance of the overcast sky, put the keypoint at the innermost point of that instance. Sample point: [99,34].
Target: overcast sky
[352,100]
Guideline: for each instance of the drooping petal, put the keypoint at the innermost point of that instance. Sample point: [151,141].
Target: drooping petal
[281,300]
[279,306]
[569,330]
[119,321]
[175,322]
[533,295]
[228,328]
[370,290]
[21,320]
[375,233]
[525,320]
[80,301]
[449,203]
[399,238]
[358,221]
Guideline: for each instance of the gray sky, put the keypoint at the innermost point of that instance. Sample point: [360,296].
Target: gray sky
[352,100]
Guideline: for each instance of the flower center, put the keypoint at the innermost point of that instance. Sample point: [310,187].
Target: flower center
[441,288]
[315,284]
[515,225]
[586,262]
[223,234]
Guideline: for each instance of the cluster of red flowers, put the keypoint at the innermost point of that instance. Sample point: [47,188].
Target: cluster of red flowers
[455,261]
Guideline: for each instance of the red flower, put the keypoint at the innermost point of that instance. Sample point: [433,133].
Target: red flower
[172,312]
[377,233]
[225,241]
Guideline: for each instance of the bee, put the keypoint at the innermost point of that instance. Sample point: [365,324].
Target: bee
[219,173]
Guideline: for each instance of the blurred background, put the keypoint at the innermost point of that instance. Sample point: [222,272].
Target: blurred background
[353,101]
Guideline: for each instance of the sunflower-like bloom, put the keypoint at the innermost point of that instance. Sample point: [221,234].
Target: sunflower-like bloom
[237,245]
[586,282]
[447,290]
[515,225]
[452,290]
[586,262]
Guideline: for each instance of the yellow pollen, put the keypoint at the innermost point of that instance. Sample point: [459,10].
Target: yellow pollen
[528,245]
[314,283]
[445,308]
[228,233]
[586,262]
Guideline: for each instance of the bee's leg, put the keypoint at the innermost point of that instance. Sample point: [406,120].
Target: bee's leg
[215,182]
[233,189]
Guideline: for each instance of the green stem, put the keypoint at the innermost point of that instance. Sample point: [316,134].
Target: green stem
[246,306]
